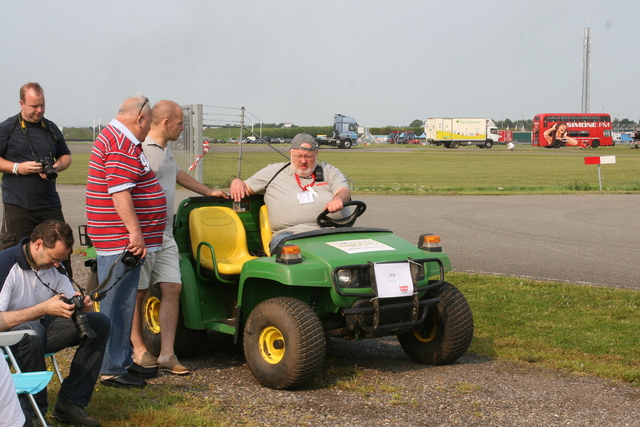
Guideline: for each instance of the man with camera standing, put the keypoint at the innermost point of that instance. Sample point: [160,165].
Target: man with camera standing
[32,153]
[33,295]
[126,217]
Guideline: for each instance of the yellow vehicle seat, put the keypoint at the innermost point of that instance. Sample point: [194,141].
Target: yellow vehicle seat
[265,229]
[218,240]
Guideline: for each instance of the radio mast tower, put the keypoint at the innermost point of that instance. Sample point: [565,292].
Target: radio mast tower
[586,68]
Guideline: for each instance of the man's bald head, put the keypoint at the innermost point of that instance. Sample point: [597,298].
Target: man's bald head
[135,114]
[165,109]
[134,106]
[167,123]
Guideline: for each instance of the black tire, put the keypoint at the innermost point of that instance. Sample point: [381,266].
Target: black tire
[556,144]
[346,143]
[595,144]
[188,341]
[488,144]
[454,144]
[446,333]
[284,343]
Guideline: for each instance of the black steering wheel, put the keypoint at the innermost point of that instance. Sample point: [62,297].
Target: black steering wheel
[323,219]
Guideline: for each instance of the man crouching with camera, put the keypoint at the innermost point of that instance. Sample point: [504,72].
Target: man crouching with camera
[33,295]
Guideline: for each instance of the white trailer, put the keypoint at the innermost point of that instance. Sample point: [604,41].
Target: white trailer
[457,131]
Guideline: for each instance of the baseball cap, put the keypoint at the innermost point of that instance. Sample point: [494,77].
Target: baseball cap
[304,138]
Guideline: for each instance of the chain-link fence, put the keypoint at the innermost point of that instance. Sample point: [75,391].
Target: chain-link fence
[222,143]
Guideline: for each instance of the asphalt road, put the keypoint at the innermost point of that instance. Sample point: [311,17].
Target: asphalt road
[574,238]
[578,238]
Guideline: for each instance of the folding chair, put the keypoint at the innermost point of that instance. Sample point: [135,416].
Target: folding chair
[54,363]
[28,383]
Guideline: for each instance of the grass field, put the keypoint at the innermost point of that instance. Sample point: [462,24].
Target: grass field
[385,169]
[470,170]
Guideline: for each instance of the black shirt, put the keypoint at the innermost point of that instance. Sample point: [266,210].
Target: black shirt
[30,191]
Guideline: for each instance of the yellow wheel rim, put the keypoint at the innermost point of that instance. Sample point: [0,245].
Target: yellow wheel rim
[151,312]
[428,331]
[271,344]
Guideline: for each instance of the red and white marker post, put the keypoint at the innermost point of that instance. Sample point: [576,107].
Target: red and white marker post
[600,160]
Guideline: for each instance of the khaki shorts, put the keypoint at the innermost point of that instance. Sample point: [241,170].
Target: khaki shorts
[161,266]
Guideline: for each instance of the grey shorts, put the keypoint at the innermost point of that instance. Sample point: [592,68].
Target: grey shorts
[161,266]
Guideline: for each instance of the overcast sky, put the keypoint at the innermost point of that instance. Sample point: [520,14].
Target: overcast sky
[382,62]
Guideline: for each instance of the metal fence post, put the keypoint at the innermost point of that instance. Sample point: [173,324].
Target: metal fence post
[240,142]
[197,148]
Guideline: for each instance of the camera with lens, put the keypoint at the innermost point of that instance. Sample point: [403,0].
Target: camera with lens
[79,317]
[130,260]
[48,169]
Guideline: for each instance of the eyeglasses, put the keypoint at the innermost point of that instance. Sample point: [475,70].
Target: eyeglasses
[298,157]
[146,101]
[56,261]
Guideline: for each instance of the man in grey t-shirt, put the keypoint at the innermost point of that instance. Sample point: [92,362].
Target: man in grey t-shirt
[162,266]
[293,193]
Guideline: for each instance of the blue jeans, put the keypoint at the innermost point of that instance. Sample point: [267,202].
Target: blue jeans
[118,305]
[53,335]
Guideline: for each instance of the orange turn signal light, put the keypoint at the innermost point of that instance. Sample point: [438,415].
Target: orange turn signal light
[430,242]
[289,254]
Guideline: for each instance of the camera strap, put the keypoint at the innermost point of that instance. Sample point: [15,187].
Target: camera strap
[61,270]
[318,172]
[25,131]
[100,292]
[27,254]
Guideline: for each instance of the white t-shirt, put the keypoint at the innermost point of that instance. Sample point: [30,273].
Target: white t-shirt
[22,288]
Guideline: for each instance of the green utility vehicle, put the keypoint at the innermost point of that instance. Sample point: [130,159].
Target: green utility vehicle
[339,281]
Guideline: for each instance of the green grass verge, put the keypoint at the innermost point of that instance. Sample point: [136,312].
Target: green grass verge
[583,329]
[423,170]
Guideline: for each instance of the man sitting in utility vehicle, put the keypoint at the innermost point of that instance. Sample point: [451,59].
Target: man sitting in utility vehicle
[296,192]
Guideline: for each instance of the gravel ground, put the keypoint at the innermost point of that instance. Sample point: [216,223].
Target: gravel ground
[373,383]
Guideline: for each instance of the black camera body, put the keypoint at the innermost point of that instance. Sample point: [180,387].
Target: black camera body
[130,260]
[79,317]
[48,169]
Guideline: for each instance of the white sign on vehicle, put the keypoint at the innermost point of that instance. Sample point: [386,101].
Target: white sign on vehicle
[393,279]
[360,246]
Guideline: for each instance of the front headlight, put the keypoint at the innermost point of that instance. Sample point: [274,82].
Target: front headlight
[345,277]
[351,276]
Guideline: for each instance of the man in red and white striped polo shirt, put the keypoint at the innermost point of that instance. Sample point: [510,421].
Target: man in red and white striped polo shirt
[126,211]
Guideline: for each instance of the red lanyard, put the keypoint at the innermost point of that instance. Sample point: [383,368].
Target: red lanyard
[306,187]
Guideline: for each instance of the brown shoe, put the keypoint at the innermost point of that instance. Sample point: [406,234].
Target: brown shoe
[148,360]
[173,367]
